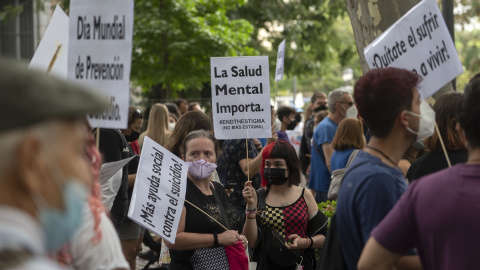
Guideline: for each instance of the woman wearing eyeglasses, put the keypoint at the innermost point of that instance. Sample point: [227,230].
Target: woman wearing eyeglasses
[283,224]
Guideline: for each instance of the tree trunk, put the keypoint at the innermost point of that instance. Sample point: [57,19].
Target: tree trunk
[370,18]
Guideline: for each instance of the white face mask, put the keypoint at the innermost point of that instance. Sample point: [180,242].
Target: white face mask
[352,112]
[427,121]
[171,126]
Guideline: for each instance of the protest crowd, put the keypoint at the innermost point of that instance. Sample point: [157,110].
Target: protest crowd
[383,177]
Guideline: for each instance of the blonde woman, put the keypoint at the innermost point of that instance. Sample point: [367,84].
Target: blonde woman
[157,128]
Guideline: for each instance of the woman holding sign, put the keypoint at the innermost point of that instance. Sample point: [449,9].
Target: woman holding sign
[283,224]
[208,228]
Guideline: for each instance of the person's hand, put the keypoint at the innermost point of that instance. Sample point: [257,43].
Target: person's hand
[244,241]
[274,136]
[257,144]
[249,195]
[296,242]
[228,238]
[229,191]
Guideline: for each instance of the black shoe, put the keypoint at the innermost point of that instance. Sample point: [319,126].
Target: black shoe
[146,255]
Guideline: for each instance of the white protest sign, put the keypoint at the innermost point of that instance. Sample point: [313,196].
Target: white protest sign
[241,97]
[280,61]
[100,54]
[55,39]
[109,169]
[159,191]
[420,42]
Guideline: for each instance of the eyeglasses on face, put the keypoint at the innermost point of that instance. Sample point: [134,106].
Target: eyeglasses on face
[350,104]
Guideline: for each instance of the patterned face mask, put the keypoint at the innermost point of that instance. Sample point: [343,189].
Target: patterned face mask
[201,169]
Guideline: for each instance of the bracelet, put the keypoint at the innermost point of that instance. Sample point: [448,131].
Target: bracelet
[250,211]
[249,217]
[215,240]
[311,242]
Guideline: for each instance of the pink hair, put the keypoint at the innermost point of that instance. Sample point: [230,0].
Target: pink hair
[95,200]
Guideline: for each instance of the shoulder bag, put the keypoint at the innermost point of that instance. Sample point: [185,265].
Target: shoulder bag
[337,177]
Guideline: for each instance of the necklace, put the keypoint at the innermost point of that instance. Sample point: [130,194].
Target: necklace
[381,153]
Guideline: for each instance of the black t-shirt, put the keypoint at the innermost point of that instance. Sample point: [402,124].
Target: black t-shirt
[197,222]
[114,147]
[132,168]
[433,162]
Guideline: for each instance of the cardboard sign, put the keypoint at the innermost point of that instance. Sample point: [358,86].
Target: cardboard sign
[100,54]
[109,169]
[241,97]
[52,51]
[159,191]
[420,42]
[280,61]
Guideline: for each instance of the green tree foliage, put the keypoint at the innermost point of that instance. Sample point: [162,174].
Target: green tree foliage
[468,47]
[328,76]
[174,40]
[10,12]
[307,27]
[466,11]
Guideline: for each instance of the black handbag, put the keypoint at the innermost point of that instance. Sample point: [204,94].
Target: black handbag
[331,254]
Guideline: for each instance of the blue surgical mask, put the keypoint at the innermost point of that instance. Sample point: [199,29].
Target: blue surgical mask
[59,226]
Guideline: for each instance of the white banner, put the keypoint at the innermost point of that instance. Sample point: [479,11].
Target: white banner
[241,97]
[52,51]
[100,54]
[420,42]
[159,191]
[280,61]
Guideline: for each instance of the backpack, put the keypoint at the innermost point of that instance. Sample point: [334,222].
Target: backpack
[337,177]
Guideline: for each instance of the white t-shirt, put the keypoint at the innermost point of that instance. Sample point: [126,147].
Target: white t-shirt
[109,189]
[105,255]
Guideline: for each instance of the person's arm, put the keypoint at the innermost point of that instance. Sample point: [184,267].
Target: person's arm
[254,163]
[375,256]
[188,241]
[250,227]
[328,151]
[131,179]
[318,240]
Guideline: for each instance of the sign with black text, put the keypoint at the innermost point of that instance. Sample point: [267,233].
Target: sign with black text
[159,192]
[280,61]
[420,42]
[100,54]
[241,97]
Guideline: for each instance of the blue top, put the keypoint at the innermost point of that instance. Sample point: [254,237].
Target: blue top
[263,141]
[340,158]
[319,173]
[370,188]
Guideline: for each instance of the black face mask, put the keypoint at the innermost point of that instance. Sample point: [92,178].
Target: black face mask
[133,136]
[292,125]
[275,176]
[320,108]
